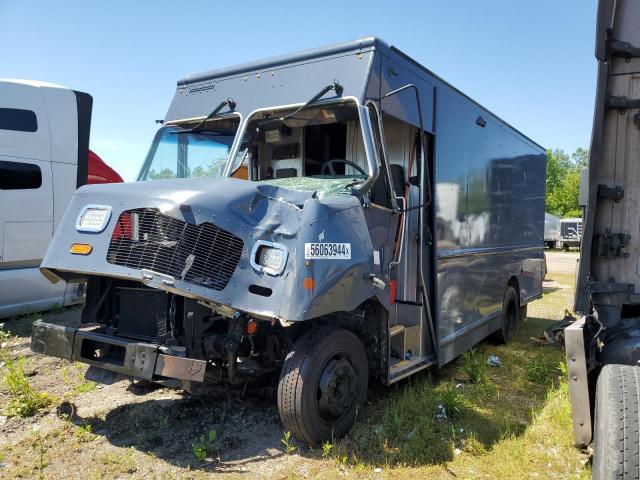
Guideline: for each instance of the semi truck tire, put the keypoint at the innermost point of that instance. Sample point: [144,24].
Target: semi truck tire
[508,317]
[616,436]
[322,385]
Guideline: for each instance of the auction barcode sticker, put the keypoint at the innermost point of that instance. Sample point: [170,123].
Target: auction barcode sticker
[337,251]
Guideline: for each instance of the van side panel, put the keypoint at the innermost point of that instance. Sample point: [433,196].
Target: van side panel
[489,185]
[489,210]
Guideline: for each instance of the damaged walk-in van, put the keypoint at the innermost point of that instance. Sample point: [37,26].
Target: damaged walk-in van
[368,220]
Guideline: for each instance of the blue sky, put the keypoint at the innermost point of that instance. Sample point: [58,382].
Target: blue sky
[531,63]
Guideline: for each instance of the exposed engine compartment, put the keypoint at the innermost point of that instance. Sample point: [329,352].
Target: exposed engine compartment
[235,346]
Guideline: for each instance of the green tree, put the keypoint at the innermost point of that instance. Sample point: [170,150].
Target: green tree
[563,181]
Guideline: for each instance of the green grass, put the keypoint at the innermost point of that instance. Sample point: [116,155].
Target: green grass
[515,422]
[512,421]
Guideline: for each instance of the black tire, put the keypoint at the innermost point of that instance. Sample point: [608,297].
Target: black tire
[508,317]
[616,436]
[311,407]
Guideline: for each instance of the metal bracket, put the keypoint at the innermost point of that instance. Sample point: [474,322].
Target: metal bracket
[610,244]
[594,286]
[621,49]
[615,193]
[622,103]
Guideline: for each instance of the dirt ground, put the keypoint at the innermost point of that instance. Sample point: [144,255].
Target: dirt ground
[129,431]
[561,261]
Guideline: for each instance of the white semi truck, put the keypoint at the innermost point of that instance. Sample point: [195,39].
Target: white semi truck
[44,158]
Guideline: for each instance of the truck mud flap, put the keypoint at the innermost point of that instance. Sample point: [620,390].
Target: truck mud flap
[132,359]
[578,382]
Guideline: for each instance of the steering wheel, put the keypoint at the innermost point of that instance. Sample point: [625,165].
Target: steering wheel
[328,167]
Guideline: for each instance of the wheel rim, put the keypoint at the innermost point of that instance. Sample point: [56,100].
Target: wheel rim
[337,388]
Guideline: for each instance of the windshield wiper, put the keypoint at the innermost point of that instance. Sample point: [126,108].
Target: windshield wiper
[228,102]
[335,86]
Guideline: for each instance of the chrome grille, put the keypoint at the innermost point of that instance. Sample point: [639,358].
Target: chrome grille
[204,254]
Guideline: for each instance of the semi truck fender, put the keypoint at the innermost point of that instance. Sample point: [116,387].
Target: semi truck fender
[579,383]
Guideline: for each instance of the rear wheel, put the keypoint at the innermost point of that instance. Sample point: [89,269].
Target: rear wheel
[615,443]
[322,385]
[508,316]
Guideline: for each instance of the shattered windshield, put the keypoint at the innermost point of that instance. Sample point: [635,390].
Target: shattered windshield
[201,153]
[324,186]
[319,148]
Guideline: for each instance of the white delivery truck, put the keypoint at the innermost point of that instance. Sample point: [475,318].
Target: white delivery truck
[570,232]
[551,230]
[44,158]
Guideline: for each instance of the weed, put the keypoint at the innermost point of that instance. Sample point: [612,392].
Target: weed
[360,467]
[119,462]
[473,365]
[84,387]
[4,335]
[540,370]
[563,370]
[289,448]
[342,458]
[40,449]
[205,445]
[57,309]
[163,420]
[25,400]
[452,400]
[83,433]
[326,448]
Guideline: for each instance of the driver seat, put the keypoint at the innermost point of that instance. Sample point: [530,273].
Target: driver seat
[380,193]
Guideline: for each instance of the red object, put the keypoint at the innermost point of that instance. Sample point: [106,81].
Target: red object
[100,172]
[393,289]
[124,227]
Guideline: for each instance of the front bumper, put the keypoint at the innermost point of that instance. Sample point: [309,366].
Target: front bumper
[133,359]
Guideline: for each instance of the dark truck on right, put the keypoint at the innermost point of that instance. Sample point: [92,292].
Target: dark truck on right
[603,347]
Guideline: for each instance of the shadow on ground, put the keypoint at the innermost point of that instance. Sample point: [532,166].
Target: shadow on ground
[247,428]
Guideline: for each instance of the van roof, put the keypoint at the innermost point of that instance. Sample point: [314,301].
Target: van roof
[363,44]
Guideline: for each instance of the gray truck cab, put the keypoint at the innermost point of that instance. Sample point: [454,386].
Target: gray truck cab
[331,216]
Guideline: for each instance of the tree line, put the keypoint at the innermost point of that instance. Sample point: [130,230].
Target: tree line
[563,181]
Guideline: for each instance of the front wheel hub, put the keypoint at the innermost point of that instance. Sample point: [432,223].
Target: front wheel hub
[336,389]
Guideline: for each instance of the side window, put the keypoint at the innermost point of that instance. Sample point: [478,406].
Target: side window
[19,176]
[18,120]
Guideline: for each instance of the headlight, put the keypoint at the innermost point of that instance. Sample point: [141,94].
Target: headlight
[269,257]
[93,218]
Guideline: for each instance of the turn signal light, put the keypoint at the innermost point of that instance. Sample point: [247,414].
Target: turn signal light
[308,283]
[81,248]
[252,327]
